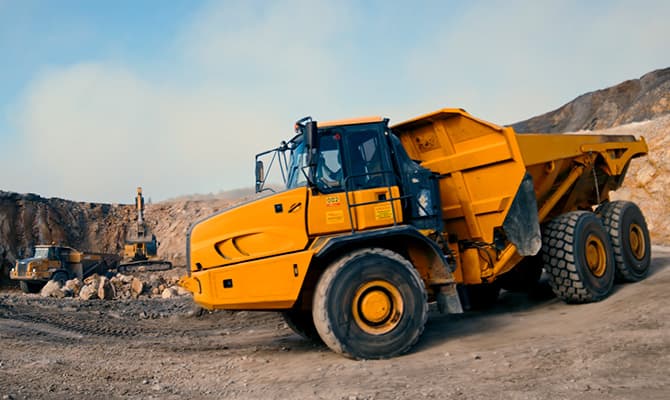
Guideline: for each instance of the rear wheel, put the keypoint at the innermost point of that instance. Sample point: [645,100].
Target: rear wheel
[370,304]
[302,323]
[31,287]
[577,254]
[628,232]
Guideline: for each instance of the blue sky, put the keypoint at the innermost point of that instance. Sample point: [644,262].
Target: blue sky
[99,97]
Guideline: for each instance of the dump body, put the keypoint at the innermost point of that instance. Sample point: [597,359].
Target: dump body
[480,167]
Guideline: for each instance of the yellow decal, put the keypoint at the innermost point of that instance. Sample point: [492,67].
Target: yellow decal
[332,201]
[383,212]
[334,217]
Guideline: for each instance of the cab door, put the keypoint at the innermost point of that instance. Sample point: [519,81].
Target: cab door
[355,183]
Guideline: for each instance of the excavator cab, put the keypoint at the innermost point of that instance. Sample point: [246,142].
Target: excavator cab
[141,248]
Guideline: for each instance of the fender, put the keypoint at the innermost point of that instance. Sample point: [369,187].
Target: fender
[423,253]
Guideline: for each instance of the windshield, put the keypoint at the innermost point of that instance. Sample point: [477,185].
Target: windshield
[41,252]
[297,163]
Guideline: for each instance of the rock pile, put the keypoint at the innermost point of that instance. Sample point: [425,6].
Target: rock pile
[119,286]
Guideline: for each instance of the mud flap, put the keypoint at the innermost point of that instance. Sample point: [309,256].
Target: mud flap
[448,300]
[522,225]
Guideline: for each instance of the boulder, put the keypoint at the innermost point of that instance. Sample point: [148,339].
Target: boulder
[88,292]
[74,286]
[136,287]
[106,289]
[93,280]
[169,293]
[52,289]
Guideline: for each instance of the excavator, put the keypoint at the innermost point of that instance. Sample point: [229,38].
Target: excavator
[141,247]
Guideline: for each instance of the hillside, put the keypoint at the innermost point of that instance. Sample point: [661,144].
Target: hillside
[648,177]
[630,101]
[29,219]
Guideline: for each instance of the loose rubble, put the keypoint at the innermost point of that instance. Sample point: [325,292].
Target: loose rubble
[119,286]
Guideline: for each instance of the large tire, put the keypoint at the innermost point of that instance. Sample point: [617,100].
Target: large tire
[577,254]
[31,287]
[370,304]
[302,323]
[61,277]
[629,235]
[524,277]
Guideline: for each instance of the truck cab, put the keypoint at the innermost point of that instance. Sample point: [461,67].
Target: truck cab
[360,177]
[35,271]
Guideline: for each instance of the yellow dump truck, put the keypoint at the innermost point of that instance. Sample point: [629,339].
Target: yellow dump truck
[376,221]
[59,263]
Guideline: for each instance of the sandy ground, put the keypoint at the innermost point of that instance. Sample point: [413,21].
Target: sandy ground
[525,348]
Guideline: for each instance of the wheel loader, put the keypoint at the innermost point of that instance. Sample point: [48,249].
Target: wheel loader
[377,221]
[140,252]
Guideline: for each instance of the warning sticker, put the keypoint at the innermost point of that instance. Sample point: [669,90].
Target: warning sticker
[334,217]
[332,201]
[383,212]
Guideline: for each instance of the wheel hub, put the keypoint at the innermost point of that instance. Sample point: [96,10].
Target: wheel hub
[636,241]
[377,307]
[596,256]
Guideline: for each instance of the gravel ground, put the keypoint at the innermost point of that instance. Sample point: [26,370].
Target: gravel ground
[527,347]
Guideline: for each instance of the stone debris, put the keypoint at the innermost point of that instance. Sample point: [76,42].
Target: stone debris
[136,287]
[119,287]
[169,293]
[52,289]
[88,292]
[72,287]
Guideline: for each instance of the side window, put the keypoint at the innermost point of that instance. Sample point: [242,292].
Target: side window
[366,160]
[329,176]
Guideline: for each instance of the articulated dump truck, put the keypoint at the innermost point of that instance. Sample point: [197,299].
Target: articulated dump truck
[377,221]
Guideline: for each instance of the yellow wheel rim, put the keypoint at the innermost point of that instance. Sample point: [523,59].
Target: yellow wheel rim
[636,241]
[596,256]
[377,307]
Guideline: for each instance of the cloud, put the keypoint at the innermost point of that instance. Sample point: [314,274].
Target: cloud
[237,74]
[95,130]
[507,61]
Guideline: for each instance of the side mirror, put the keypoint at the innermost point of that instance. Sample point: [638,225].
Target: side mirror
[311,133]
[260,175]
[312,139]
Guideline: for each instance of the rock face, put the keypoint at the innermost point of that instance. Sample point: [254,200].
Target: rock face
[648,178]
[28,219]
[631,101]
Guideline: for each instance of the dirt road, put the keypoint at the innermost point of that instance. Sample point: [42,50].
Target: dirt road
[524,348]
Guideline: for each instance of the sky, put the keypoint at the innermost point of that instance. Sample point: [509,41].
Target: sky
[97,98]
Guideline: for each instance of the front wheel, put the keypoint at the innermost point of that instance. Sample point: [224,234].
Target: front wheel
[370,304]
[301,322]
[31,287]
